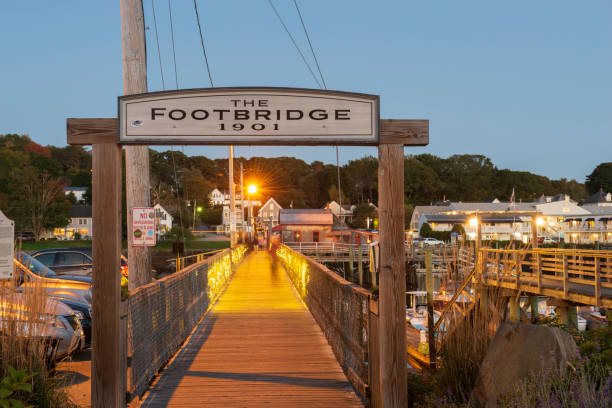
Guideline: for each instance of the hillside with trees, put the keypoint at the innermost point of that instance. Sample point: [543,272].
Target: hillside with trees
[32,177]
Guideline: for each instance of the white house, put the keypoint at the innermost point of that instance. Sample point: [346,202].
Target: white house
[216,197]
[163,221]
[269,212]
[81,222]
[344,212]
[79,192]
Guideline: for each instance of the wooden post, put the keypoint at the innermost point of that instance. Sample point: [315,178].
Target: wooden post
[515,309]
[360,264]
[534,231]
[533,301]
[430,309]
[107,390]
[597,280]
[137,189]
[392,300]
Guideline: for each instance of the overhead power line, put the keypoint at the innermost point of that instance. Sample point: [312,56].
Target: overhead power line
[161,71]
[195,6]
[173,49]
[294,43]
[310,44]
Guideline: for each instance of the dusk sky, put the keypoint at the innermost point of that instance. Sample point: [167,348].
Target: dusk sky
[527,83]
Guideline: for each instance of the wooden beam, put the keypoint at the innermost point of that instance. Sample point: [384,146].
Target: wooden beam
[83,132]
[86,132]
[407,132]
[106,387]
[392,299]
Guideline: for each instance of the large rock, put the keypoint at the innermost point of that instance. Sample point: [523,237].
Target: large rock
[517,350]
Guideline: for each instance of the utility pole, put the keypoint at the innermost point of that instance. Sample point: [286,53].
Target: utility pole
[232,198]
[137,189]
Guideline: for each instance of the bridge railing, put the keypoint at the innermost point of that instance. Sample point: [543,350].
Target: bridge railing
[339,307]
[329,249]
[163,313]
[582,276]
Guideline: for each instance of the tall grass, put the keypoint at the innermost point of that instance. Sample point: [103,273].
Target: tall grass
[465,346]
[30,314]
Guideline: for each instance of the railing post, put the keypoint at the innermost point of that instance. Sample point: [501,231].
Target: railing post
[539,271]
[565,276]
[597,279]
[430,309]
[518,270]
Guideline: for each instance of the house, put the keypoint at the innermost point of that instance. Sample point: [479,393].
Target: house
[596,225]
[216,197]
[306,225]
[269,213]
[79,192]
[81,223]
[503,220]
[163,221]
[344,212]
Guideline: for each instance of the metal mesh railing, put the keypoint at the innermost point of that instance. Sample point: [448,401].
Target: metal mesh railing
[339,307]
[163,313]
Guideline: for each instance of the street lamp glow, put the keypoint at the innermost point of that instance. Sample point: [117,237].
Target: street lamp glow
[539,221]
[474,222]
[199,208]
[252,189]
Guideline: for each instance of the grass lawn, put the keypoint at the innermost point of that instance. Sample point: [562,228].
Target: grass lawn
[166,245]
[203,245]
[35,246]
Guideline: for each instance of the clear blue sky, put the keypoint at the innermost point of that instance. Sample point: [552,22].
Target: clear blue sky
[527,83]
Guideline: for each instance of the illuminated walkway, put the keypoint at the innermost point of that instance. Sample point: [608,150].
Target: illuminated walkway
[258,346]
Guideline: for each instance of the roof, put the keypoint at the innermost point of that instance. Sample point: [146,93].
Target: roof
[80,211]
[306,217]
[463,218]
[478,206]
[75,188]
[430,209]
[598,197]
[270,200]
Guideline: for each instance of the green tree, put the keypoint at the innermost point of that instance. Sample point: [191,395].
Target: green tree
[600,178]
[37,201]
[362,212]
[425,231]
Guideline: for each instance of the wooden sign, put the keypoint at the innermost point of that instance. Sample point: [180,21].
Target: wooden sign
[249,116]
[7,238]
[143,226]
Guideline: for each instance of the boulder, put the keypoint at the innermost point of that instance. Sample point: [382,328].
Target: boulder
[516,351]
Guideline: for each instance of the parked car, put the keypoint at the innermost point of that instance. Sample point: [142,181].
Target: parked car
[74,261]
[431,241]
[56,322]
[30,273]
[84,314]
[549,240]
[25,236]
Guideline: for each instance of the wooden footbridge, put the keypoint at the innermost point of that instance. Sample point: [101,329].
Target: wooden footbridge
[257,346]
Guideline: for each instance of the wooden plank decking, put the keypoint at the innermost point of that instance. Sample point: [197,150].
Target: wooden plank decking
[258,346]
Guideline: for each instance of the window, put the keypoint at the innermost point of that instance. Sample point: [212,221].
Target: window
[315,236]
[296,236]
[46,259]
[71,258]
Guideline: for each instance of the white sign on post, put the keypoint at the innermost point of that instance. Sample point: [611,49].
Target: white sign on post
[143,226]
[7,237]
[249,115]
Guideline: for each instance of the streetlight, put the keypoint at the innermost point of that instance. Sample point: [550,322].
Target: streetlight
[252,189]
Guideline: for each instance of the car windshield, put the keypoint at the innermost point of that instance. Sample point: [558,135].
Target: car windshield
[35,266]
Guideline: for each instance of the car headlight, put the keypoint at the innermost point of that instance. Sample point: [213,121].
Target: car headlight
[79,315]
[57,322]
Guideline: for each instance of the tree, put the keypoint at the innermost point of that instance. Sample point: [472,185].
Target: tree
[38,201]
[425,230]
[600,178]
[362,212]
[458,228]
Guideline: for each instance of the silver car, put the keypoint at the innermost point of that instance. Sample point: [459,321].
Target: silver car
[54,321]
